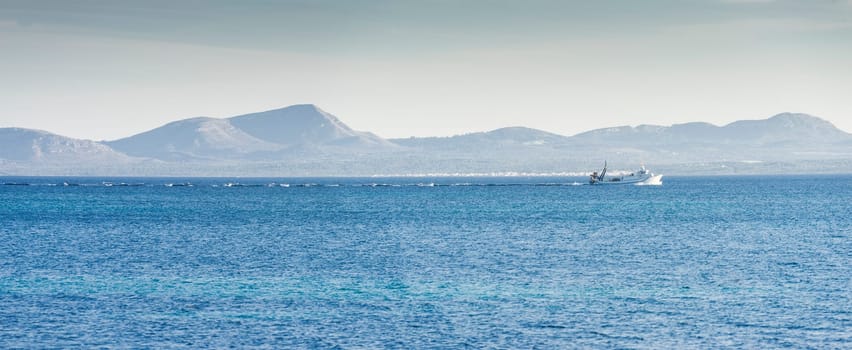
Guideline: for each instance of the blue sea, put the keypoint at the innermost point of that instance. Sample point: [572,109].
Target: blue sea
[435,263]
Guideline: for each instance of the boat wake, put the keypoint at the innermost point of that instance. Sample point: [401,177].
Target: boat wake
[656,180]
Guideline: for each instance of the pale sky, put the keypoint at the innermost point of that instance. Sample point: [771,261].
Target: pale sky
[106,69]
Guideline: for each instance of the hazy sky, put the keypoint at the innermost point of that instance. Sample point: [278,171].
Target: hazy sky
[108,69]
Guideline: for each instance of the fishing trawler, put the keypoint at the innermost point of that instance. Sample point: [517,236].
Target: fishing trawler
[640,177]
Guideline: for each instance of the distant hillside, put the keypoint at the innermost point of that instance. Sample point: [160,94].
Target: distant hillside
[784,137]
[195,138]
[304,124]
[36,146]
[270,135]
[303,140]
[785,128]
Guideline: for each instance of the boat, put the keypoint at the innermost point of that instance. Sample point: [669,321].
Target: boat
[640,177]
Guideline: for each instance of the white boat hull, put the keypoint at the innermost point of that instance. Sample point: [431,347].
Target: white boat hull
[641,177]
[653,180]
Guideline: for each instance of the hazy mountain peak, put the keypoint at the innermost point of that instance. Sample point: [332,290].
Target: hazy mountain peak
[190,120]
[603,132]
[264,135]
[523,134]
[785,127]
[6,134]
[302,113]
[295,124]
[695,125]
[793,115]
[303,108]
[650,127]
[191,138]
[26,131]
[37,145]
[517,130]
[793,120]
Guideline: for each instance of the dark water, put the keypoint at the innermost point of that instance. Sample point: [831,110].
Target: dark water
[700,262]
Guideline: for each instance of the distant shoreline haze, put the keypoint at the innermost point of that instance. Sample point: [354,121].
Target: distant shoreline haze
[304,140]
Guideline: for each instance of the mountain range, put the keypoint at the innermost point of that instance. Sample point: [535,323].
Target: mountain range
[271,135]
[304,140]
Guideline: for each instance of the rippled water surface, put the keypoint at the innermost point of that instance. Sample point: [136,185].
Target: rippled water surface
[754,262]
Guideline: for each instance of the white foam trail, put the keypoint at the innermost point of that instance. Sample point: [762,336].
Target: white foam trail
[656,180]
[490,174]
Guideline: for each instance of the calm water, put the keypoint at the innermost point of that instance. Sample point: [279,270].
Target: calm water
[740,262]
